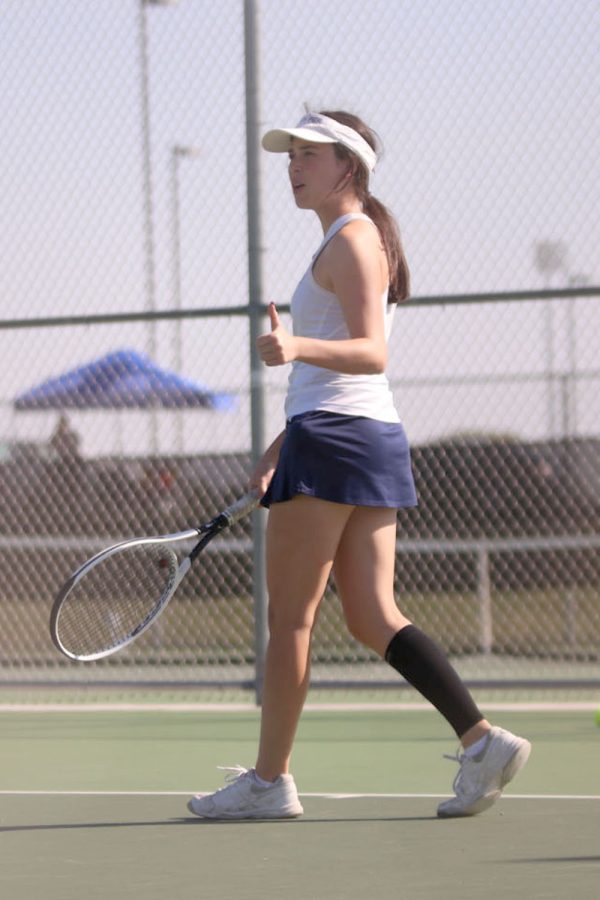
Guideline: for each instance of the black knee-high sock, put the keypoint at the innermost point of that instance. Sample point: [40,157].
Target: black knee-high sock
[424,665]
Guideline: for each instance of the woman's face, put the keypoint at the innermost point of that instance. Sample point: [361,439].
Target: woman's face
[315,173]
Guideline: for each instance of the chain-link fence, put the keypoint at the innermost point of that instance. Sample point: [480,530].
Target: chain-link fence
[123,173]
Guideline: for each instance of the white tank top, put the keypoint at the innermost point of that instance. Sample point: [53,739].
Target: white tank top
[317,313]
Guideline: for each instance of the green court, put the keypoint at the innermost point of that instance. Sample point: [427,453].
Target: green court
[94,804]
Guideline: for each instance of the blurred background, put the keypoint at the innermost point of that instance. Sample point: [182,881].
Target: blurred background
[126,242]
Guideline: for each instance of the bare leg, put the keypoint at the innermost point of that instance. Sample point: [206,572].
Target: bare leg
[364,573]
[302,539]
[478,731]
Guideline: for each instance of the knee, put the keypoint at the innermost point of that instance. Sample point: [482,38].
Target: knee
[374,629]
[359,630]
[283,620]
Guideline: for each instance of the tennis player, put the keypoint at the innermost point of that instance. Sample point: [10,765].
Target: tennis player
[335,477]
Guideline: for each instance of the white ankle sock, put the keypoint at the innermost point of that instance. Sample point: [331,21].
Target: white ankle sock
[477,747]
[261,781]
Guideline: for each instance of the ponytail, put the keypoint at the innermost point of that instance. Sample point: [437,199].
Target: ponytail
[392,244]
[399,289]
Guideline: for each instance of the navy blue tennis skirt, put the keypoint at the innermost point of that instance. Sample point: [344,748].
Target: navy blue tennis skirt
[344,459]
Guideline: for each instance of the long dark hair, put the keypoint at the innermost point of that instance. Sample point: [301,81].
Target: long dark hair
[374,208]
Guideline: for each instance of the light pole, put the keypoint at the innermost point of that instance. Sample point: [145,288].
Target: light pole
[570,400]
[550,260]
[148,184]
[178,153]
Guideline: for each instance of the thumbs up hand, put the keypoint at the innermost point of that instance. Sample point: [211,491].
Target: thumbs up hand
[278,346]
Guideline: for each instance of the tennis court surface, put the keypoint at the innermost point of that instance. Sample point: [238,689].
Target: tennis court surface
[94,804]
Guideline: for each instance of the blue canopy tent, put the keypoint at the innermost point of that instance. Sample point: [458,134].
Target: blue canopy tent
[124,379]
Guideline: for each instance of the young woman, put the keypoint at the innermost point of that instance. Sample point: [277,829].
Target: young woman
[334,479]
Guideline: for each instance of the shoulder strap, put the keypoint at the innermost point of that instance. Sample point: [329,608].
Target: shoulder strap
[337,226]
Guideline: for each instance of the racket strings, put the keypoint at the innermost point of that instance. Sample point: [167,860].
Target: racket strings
[115,598]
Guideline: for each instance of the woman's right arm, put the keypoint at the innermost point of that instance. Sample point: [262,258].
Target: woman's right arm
[265,467]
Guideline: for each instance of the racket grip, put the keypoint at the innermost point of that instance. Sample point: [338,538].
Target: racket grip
[242,507]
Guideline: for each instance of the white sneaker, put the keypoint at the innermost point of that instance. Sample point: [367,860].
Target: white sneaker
[480,779]
[245,798]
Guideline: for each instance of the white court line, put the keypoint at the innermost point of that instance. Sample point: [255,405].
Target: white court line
[559,706]
[324,796]
[124,707]
[435,796]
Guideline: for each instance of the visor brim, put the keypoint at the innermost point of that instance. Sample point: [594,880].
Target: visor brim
[278,140]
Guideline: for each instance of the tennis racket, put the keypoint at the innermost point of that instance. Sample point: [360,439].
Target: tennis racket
[118,593]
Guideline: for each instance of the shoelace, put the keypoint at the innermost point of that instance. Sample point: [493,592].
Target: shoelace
[459,758]
[235,772]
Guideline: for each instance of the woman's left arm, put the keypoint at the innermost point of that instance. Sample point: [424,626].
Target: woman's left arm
[353,271]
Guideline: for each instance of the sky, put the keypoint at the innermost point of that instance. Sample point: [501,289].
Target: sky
[489,114]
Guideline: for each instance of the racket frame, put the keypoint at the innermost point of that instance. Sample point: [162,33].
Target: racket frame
[205,532]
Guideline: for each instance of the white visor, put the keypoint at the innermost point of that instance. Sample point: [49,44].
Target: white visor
[318,129]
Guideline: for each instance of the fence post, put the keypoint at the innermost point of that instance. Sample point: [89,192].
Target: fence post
[484,596]
[255,305]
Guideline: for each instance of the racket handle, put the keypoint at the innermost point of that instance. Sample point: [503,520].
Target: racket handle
[242,507]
